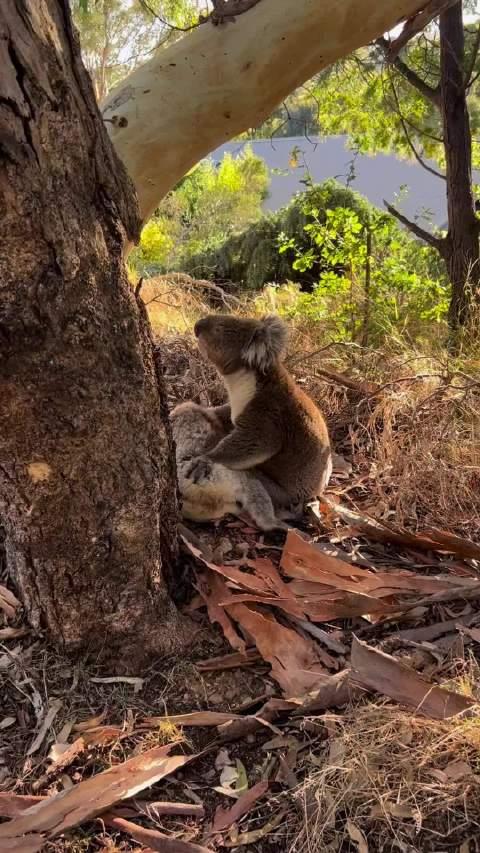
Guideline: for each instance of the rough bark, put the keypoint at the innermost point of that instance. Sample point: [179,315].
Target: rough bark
[220,80]
[461,248]
[86,500]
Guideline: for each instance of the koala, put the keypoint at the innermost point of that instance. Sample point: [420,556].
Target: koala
[220,491]
[277,429]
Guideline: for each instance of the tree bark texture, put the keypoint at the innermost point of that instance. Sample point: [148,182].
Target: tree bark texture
[461,247]
[220,80]
[86,499]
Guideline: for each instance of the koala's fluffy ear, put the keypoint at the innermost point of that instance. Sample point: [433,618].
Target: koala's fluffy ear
[267,344]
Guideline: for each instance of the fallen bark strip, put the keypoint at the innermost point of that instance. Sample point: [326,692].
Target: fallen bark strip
[54,815]
[378,671]
[155,839]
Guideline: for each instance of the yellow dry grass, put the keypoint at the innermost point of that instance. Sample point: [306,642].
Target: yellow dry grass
[388,780]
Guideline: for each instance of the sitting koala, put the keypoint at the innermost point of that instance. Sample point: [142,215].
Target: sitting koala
[278,431]
[220,491]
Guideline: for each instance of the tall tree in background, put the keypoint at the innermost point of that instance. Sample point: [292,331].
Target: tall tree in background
[119,35]
[87,482]
[416,98]
[460,247]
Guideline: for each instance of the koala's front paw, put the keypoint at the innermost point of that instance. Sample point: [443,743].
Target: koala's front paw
[199,470]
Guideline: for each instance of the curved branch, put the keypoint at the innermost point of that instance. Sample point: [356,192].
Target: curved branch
[216,82]
[406,132]
[428,92]
[436,242]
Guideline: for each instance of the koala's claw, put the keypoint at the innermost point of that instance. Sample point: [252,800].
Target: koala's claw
[199,470]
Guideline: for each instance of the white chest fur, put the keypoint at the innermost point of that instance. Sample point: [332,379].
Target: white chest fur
[241,387]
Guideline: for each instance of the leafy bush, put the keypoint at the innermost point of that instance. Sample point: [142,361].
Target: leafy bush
[344,260]
[208,205]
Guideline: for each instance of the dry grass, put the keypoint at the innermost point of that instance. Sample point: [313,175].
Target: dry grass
[406,783]
[415,444]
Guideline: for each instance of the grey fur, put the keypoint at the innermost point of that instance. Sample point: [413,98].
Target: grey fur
[217,490]
[278,431]
[267,344]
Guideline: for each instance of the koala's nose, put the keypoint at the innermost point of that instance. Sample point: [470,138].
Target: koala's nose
[200,326]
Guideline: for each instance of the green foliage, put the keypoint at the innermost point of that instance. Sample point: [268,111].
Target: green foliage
[373,276]
[320,244]
[118,35]
[203,211]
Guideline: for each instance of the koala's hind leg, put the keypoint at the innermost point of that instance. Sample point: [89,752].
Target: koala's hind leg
[258,504]
[285,506]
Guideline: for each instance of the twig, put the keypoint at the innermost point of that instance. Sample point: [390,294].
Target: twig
[139,286]
[421,233]
[339,379]
[428,92]
[416,24]
[414,151]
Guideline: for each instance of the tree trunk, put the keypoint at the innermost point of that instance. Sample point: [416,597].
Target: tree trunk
[220,80]
[461,247]
[87,500]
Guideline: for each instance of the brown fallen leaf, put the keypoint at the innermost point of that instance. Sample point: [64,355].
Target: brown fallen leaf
[328,639]
[213,592]
[334,692]
[378,671]
[176,845]
[350,605]
[473,633]
[241,839]
[244,726]
[13,633]
[429,540]
[242,579]
[155,839]
[303,560]
[230,661]
[225,817]
[196,718]
[402,811]
[8,602]
[33,844]
[290,607]
[52,712]
[454,544]
[293,659]
[438,629]
[357,836]
[457,770]
[160,807]
[314,571]
[11,805]
[64,759]
[54,815]
[265,569]
[91,723]
[329,588]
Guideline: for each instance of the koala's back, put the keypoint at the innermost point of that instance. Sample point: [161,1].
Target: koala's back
[302,466]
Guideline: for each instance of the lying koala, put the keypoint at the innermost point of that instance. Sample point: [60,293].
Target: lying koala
[221,491]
